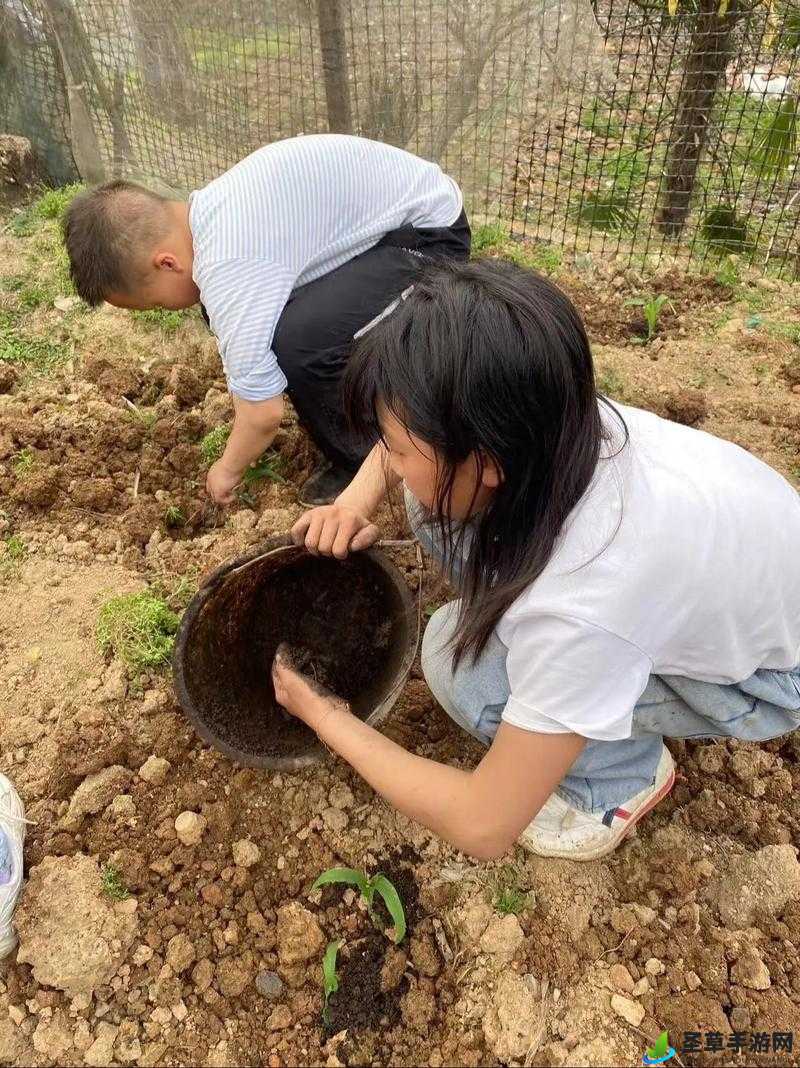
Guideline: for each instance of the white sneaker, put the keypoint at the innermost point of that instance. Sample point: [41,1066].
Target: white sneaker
[12,836]
[559,830]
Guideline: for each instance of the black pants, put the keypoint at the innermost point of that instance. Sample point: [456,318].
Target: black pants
[314,337]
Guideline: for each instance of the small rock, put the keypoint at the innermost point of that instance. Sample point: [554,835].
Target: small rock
[179,1010]
[203,975]
[298,934]
[624,920]
[234,975]
[95,793]
[17,1014]
[122,807]
[190,827]
[67,304]
[641,987]
[620,979]
[631,1011]
[245,853]
[503,937]
[751,971]
[513,1020]
[180,953]
[393,970]
[334,819]
[142,955]
[243,520]
[99,1054]
[155,770]
[341,796]
[280,1018]
[653,966]
[269,985]
[644,914]
[425,956]
[53,1037]
[693,981]
[763,881]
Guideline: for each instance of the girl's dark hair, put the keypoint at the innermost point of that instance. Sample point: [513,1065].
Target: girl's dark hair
[490,359]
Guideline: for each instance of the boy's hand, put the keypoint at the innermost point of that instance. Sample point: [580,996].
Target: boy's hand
[300,695]
[221,483]
[334,530]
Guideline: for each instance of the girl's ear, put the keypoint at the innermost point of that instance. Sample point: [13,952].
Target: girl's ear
[491,476]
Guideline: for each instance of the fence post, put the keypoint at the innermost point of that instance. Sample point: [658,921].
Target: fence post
[334,65]
[710,51]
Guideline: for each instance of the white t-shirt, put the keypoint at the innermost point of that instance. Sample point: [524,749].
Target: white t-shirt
[699,577]
[289,213]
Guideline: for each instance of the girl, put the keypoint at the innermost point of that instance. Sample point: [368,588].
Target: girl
[621,578]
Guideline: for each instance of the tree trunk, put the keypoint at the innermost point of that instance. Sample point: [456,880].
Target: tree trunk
[163,58]
[334,65]
[710,51]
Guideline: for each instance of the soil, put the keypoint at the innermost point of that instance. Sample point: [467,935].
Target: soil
[655,923]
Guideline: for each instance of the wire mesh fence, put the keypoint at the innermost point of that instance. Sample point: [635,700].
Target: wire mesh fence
[618,126]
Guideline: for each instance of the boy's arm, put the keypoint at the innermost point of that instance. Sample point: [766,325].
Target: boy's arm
[254,428]
[481,812]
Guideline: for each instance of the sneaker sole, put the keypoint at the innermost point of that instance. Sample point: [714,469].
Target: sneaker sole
[610,844]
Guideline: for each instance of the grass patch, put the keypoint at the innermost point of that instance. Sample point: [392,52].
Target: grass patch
[219,52]
[139,628]
[23,462]
[213,444]
[488,236]
[35,353]
[51,205]
[112,884]
[609,383]
[162,319]
[508,896]
[546,259]
[13,551]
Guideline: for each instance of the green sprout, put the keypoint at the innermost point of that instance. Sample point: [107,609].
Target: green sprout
[488,236]
[728,274]
[651,308]
[14,551]
[139,628]
[510,901]
[112,883]
[330,978]
[163,319]
[174,517]
[23,461]
[368,887]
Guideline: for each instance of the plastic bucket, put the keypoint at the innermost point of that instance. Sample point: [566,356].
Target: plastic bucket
[354,620]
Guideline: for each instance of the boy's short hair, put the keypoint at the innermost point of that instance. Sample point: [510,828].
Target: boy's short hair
[108,232]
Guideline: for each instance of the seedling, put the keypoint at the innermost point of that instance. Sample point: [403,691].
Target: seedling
[13,551]
[651,309]
[174,517]
[610,384]
[508,897]
[368,887]
[113,884]
[728,274]
[330,978]
[139,628]
[267,466]
[23,462]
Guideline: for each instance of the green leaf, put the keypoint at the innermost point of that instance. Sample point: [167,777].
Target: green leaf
[330,978]
[343,875]
[393,904]
[776,150]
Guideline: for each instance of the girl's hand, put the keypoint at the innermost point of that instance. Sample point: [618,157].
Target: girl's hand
[300,695]
[221,483]
[334,530]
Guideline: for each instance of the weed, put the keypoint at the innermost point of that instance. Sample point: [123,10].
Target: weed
[538,257]
[33,295]
[139,628]
[112,884]
[23,461]
[162,318]
[488,236]
[174,517]
[12,283]
[728,273]
[508,897]
[511,901]
[609,383]
[330,977]
[13,551]
[148,417]
[790,331]
[35,353]
[267,466]
[368,886]
[54,202]
[213,444]
[651,308]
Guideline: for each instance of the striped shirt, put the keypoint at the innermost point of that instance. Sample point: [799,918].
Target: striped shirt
[288,214]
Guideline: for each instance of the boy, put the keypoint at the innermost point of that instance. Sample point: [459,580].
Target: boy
[290,253]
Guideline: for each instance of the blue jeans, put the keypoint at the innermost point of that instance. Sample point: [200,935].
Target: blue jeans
[606,774]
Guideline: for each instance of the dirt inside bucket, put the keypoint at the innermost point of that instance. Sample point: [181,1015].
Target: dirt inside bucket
[345,619]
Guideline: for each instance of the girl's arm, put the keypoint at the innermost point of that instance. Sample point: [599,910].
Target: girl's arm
[481,812]
[344,526]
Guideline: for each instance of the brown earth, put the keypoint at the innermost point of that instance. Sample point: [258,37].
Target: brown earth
[220,963]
